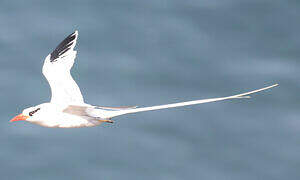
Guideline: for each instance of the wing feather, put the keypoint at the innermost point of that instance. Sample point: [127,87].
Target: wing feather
[64,46]
[57,68]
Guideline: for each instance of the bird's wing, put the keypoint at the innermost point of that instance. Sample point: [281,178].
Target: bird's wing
[85,110]
[116,108]
[106,114]
[76,110]
[57,68]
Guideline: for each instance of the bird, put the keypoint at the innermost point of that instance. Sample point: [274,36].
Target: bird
[67,108]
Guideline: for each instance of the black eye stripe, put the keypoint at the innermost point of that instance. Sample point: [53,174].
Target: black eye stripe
[32,112]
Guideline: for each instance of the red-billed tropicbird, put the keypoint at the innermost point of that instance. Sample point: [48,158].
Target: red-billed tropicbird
[67,108]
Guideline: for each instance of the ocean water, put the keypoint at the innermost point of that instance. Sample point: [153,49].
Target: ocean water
[144,53]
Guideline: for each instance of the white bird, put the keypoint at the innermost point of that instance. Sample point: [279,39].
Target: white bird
[67,108]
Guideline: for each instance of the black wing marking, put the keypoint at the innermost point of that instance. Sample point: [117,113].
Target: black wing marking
[63,47]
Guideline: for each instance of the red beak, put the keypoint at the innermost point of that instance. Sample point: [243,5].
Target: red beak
[19,117]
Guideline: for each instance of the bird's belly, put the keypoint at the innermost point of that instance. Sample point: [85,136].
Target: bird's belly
[69,122]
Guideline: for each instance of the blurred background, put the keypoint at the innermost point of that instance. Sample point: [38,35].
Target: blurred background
[144,53]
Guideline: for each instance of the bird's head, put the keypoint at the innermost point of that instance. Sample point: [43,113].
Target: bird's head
[28,114]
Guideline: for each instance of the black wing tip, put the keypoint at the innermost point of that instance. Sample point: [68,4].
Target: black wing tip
[64,46]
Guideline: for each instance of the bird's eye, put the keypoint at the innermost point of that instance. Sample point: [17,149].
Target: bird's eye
[32,112]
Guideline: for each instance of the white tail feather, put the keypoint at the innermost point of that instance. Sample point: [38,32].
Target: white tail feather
[110,114]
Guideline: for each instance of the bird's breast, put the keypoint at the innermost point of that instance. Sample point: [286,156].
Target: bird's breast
[68,121]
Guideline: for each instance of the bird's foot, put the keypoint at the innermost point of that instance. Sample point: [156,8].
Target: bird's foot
[107,121]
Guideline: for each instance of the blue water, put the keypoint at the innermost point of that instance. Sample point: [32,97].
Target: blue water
[133,52]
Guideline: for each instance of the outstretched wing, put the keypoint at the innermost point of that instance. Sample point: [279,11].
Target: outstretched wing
[57,68]
[106,114]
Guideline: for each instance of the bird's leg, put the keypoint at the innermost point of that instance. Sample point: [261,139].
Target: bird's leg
[107,121]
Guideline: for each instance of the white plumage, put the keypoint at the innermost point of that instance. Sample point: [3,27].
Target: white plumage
[57,71]
[67,108]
